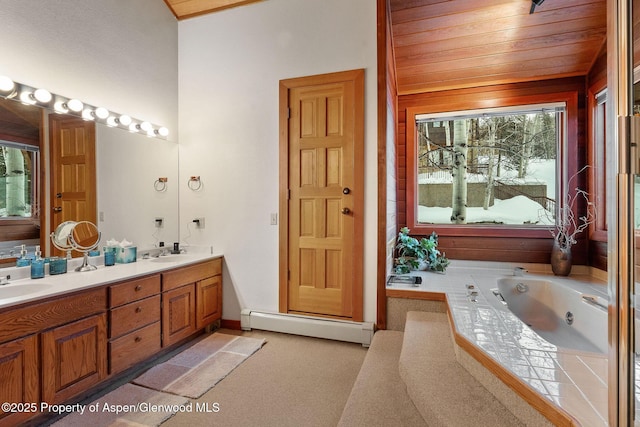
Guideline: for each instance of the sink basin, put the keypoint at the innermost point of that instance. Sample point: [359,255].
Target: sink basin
[12,291]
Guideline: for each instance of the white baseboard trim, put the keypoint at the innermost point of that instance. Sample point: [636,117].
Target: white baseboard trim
[339,330]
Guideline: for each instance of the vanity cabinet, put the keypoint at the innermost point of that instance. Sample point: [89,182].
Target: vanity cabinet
[19,376]
[51,350]
[178,314]
[74,358]
[134,322]
[191,299]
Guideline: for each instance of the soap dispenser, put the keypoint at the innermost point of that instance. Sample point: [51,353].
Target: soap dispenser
[37,265]
[23,261]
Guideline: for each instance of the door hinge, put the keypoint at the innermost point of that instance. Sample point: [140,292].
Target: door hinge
[288,274]
[288,113]
[288,194]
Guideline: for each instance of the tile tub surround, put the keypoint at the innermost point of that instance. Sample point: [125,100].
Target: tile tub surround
[572,380]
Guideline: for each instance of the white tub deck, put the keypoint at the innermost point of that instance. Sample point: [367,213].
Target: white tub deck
[573,380]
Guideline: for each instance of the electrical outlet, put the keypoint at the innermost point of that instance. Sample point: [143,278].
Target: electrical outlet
[199,222]
[274,218]
[159,222]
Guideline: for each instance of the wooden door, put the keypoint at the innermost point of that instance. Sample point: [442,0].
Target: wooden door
[74,358]
[73,171]
[322,199]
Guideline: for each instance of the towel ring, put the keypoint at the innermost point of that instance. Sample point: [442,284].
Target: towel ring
[160,185]
[194,183]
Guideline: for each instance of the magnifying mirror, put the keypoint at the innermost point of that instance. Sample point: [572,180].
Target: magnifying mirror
[85,237]
[61,237]
[82,236]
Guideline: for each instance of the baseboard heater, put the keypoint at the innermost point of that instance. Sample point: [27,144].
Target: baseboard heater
[339,330]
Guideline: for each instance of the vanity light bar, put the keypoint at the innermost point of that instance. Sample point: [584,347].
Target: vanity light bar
[42,97]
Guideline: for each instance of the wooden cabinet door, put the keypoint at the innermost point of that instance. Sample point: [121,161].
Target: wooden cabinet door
[19,377]
[208,301]
[178,314]
[74,358]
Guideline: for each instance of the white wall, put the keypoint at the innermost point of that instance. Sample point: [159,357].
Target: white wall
[230,66]
[122,55]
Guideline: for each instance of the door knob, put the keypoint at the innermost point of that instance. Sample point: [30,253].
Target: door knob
[57,209]
[346,190]
[346,211]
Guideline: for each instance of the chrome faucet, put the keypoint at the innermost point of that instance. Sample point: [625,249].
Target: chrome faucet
[519,271]
[4,280]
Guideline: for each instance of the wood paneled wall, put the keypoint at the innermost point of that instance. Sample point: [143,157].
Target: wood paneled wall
[387,159]
[509,248]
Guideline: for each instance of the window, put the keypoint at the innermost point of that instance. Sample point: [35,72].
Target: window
[598,161]
[494,167]
[18,173]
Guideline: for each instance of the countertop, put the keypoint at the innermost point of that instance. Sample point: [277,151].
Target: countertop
[35,289]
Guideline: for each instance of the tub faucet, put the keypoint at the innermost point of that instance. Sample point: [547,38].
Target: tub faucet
[519,271]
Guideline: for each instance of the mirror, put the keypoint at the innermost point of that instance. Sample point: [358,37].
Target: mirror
[127,166]
[61,238]
[85,236]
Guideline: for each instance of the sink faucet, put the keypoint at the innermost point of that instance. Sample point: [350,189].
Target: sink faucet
[4,280]
[519,271]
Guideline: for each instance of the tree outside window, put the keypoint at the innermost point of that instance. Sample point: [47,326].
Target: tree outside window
[494,167]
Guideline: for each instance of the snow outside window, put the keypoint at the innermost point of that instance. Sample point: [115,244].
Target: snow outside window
[489,167]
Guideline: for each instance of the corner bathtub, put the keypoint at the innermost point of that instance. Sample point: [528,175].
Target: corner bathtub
[563,315]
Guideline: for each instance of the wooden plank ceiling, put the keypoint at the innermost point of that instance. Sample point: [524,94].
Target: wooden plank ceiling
[448,44]
[183,9]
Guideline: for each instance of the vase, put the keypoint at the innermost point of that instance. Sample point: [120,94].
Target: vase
[560,260]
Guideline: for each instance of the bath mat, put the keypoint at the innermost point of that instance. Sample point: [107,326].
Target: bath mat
[128,405]
[197,369]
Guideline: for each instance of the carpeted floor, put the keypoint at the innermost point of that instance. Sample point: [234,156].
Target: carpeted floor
[291,381]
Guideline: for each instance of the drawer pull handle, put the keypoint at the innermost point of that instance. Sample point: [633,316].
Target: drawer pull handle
[138,288]
[137,339]
[138,309]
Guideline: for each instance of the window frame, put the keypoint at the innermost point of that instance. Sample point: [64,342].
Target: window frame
[597,159]
[567,156]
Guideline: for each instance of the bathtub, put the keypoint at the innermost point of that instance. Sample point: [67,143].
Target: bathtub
[565,316]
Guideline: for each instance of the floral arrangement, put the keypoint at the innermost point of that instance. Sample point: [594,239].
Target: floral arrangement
[414,254]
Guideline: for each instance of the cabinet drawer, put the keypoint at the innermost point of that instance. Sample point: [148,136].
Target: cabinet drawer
[135,347]
[191,274]
[132,316]
[134,290]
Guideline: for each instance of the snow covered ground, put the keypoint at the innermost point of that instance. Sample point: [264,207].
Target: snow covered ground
[516,210]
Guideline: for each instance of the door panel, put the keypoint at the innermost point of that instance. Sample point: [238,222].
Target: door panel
[324,188]
[73,166]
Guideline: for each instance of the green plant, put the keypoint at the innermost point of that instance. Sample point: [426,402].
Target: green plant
[411,253]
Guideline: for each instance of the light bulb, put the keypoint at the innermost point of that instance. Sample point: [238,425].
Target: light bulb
[43,95]
[125,120]
[26,98]
[6,84]
[146,126]
[60,107]
[112,121]
[87,114]
[75,105]
[163,131]
[102,113]
[133,127]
